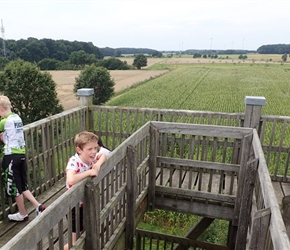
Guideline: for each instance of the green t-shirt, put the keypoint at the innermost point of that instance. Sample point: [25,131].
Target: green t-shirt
[13,137]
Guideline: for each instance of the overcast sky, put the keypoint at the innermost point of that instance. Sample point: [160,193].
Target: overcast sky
[153,24]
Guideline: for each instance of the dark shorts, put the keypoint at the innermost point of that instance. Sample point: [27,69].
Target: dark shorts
[74,226]
[15,179]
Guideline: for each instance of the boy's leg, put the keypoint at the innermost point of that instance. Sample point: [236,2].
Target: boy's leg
[39,207]
[74,239]
[20,204]
[28,195]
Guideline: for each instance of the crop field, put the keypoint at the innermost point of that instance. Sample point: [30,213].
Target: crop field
[213,87]
[198,84]
[123,79]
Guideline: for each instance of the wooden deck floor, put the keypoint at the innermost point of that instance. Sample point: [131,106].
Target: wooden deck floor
[10,229]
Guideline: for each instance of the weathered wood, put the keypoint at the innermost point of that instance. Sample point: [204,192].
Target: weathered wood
[131,198]
[195,207]
[286,213]
[152,167]
[190,194]
[279,236]
[183,242]
[260,225]
[201,130]
[246,203]
[92,216]
[41,225]
[197,230]
[199,164]
[246,147]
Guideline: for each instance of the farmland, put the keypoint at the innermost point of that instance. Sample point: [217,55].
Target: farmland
[213,87]
[199,84]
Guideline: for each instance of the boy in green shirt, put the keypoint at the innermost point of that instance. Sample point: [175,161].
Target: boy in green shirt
[14,161]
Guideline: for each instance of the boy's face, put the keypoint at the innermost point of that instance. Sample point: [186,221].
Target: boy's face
[88,152]
[2,112]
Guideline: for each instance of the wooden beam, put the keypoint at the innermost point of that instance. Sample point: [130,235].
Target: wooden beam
[195,207]
[152,167]
[197,230]
[286,213]
[246,204]
[260,225]
[92,216]
[131,199]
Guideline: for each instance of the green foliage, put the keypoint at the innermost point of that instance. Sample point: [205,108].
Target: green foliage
[32,93]
[99,79]
[49,64]
[34,50]
[113,64]
[81,58]
[179,224]
[140,61]
[3,62]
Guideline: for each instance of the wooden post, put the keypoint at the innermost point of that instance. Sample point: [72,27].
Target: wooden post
[259,232]
[86,100]
[152,168]
[286,213]
[253,111]
[92,216]
[233,228]
[131,197]
[246,204]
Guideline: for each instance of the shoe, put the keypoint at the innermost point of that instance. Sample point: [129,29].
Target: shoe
[18,217]
[40,209]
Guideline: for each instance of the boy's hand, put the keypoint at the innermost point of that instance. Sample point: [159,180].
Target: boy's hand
[97,166]
[94,172]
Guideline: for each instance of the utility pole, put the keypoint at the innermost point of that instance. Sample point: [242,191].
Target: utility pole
[3,37]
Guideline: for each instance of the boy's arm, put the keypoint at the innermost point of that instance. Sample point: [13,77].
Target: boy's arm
[101,159]
[72,177]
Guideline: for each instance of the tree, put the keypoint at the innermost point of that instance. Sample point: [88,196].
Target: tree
[81,58]
[99,79]
[140,61]
[284,57]
[31,92]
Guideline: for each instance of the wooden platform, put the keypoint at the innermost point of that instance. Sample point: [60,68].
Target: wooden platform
[202,182]
[9,229]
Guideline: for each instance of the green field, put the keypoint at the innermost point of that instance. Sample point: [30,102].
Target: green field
[219,87]
[212,87]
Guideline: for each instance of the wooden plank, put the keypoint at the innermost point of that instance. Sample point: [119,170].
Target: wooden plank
[193,194]
[202,130]
[260,227]
[285,188]
[131,197]
[286,213]
[278,190]
[246,204]
[193,207]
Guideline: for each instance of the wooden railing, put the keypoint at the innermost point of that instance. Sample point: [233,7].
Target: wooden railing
[50,141]
[110,198]
[158,162]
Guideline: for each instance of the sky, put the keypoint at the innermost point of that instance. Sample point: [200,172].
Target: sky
[162,25]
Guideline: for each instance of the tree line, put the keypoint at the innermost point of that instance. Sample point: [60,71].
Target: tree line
[51,54]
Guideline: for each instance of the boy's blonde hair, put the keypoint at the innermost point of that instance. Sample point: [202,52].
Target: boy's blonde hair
[85,137]
[5,102]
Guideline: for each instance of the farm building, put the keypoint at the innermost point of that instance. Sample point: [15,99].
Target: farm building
[211,164]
